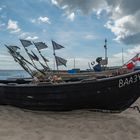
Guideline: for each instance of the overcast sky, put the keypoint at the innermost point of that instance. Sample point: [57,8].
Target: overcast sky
[79,25]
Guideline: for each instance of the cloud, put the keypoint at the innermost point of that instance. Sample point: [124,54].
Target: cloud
[90,37]
[125,25]
[41,20]
[86,6]
[81,63]
[44,20]
[116,59]
[71,16]
[124,18]
[33,20]
[72,6]
[28,36]
[32,37]
[13,26]
[123,15]
[24,34]
[54,2]
[7,61]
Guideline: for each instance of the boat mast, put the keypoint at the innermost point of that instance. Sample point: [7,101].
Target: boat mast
[59,60]
[74,63]
[41,55]
[55,58]
[25,44]
[122,57]
[105,46]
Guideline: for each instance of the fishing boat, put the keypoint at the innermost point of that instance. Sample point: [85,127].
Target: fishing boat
[111,93]
[110,90]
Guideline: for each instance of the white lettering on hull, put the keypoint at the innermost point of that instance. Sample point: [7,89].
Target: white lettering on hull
[128,81]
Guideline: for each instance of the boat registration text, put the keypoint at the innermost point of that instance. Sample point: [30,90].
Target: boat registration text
[130,80]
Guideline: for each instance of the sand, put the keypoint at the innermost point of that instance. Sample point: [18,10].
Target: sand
[20,124]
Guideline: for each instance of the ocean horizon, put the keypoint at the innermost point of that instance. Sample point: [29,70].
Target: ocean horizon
[6,74]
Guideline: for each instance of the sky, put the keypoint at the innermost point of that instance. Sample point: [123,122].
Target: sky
[81,26]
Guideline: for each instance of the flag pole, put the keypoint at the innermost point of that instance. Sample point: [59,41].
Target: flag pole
[59,60]
[26,43]
[41,55]
[55,59]
[28,70]
[32,65]
[26,50]
[29,56]
[37,59]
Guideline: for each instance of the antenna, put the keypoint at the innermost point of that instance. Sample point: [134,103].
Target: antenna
[122,57]
[74,63]
[105,46]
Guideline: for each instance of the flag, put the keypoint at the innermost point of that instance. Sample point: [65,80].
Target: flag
[130,65]
[32,57]
[136,58]
[25,43]
[14,48]
[132,60]
[40,45]
[24,66]
[22,58]
[35,56]
[16,56]
[60,61]
[56,46]
[13,52]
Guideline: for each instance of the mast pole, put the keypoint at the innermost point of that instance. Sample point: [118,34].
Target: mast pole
[55,59]
[74,63]
[122,57]
[29,56]
[34,66]
[105,48]
[19,61]
[41,55]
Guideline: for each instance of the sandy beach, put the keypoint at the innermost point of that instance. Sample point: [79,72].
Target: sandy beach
[20,124]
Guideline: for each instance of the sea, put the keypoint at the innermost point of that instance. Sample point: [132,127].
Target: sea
[22,124]
[7,74]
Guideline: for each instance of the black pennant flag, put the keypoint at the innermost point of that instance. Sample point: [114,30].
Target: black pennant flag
[40,45]
[56,46]
[35,56]
[60,61]
[25,43]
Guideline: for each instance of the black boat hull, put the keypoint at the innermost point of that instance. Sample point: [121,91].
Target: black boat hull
[114,94]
